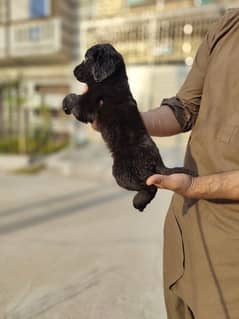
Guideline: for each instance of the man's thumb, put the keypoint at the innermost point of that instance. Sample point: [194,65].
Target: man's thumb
[154,179]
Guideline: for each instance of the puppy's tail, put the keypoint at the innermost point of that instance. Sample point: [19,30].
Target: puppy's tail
[175,170]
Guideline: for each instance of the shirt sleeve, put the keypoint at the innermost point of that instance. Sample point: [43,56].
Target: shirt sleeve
[186,103]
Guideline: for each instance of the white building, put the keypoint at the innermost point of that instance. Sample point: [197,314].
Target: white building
[39,41]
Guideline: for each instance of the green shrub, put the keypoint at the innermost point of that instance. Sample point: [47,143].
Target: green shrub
[39,143]
[9,145]
[31,169]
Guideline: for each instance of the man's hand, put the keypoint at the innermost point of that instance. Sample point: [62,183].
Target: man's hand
[84,90]
[93,124]
[224,185]
[179,183]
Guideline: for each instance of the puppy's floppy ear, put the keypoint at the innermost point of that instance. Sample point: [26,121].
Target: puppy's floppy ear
[106,62]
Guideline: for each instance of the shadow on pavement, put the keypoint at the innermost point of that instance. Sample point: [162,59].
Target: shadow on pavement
[46,202]
[62,212]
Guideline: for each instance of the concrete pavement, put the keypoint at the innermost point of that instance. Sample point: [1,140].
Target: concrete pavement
[75,248]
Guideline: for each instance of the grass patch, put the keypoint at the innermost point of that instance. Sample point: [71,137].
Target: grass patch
[34,145]
[30,170]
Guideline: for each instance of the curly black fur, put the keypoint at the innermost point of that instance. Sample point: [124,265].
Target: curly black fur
[110,102]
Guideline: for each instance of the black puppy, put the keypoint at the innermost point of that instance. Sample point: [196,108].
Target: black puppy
[110,102]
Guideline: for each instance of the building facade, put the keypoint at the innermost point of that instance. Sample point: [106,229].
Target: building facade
[39,40]
[152,31]
[42,40]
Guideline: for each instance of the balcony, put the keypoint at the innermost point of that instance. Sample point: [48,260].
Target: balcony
[155,38]
[32,39]
[2,43]
[35,38]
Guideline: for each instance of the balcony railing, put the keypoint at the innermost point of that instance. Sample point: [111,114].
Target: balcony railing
[2,42]
[152,39]
[35,38]
[31,38]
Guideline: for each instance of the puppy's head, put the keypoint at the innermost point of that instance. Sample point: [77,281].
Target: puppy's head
[101,62]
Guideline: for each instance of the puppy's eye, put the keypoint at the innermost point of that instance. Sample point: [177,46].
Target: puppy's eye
[86,59]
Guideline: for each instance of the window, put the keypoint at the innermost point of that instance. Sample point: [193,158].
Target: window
[140,2]
[39,8]
[2,11]
[202,2]
[205,1]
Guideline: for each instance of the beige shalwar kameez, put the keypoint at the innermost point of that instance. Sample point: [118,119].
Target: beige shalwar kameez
[201,237]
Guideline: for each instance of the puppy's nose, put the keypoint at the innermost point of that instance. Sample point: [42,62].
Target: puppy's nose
[66,110]
[70,102]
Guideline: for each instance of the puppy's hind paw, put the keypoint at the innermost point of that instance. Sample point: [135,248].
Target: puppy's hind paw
[144,197]
[138,205]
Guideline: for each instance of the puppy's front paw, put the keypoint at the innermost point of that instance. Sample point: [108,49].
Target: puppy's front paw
[69,102]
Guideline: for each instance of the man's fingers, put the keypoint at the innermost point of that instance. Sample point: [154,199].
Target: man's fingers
[154,179]
[94,126]
[179,182]
[84,88]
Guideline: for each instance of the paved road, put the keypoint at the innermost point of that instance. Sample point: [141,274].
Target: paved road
[72,249]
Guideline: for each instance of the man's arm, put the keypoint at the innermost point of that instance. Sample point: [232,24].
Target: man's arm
[216,186]
[222,185]
[161,122]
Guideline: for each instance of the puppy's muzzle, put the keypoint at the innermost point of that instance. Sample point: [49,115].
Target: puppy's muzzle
[76,71]
[80,73]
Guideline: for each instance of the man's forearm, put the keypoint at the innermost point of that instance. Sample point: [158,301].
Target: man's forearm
[161,122]
[220,186]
